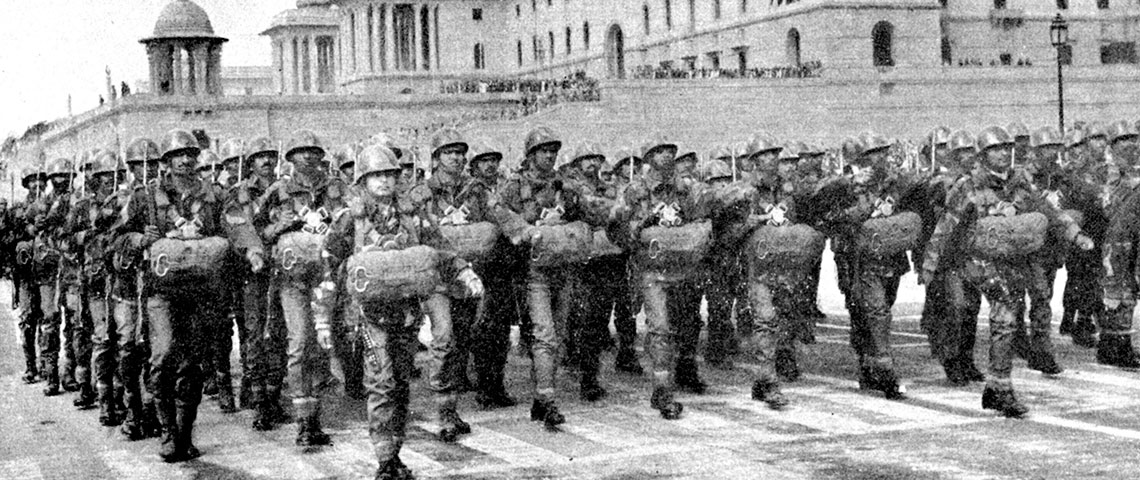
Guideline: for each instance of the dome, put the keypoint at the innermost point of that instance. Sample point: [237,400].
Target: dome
[312,3]
[183,19]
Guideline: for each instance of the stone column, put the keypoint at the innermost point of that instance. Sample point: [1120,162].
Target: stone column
[415,44]
[390,36]
[152,62]
[278,66]
[291,79]
[314,64]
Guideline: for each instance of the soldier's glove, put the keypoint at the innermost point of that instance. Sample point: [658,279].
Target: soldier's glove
[256,260]
[1111,304]
[471,282]
[1084,242]
[324,338]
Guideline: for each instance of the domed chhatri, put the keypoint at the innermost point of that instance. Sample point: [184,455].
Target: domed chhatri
[183,19]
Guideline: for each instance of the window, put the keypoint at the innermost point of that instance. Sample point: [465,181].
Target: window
[520,52]
[480,60]
[1062,4]
[1000,4]
[1005,59]
[518,10]
[645,18]
[1118,52]
[881,40]
[742,59]
[947,54]
[1102,4]
[714,60]
[568,41]
[534,47]
[716,9]
[551,34]
[477,14]
[692,15]
[352,37]
[668,14]
[586,35]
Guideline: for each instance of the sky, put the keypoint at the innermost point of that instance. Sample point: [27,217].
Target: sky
[52,48]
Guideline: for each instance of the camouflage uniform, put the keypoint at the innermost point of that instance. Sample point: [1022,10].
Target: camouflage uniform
[24,274]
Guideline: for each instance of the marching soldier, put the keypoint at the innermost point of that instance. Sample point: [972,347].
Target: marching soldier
[48,217]
[25,274]
[727,285]
[1122,205]
[995,189]
[627,165]
[306,203]
[182,208]
[1082,302]
[376,222]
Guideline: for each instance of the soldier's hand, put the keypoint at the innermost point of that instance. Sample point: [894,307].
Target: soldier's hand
[324,338]
[1084,242]
[256,261]
[925,277]
[471,282]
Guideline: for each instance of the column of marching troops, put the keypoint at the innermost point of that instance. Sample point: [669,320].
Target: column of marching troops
[326,263]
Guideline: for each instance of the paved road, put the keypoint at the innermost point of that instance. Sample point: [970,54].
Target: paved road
[1084,423]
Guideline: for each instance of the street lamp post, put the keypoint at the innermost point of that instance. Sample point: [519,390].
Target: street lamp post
[1059,36]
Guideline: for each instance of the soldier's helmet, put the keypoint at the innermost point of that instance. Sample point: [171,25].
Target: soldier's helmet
[738,150]
[31,173]
[872,143]
[588,150]
[851,148]
[482,149]
[540,137]
[103,161]
[625,154]
[303,140]
[963,140]
[260,146]
[1046,137]
[763,143]
[790,152]
[448,137]
[562,161]
[345,156]
[720,153]
[141,150]
[87,159]
[939,136]
[386,140]
[232,149]
[656,142]
[814,150]
[1121,130]
[1074,138]
[374,159]
[1017,130]
[1095,129]
[993,136]
[178,142]
[60,167]
[208,160]
[689,156]
[717,169]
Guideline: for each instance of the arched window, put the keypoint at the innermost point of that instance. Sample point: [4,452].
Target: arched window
[793,47]
[586,35]
[947,54]
[881,42]
[480,61]
[645,18]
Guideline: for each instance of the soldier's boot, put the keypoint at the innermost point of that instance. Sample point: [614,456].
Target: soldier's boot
[884,379]
[1004,401]
[132,426]
[86,398]
[547,412]
[969,370]
[309,433]
[108,412]
[394,469]
[277,414]
[492,394]
[687,379]
[245,401]
[865,380]
[210,386]
[1116,351]
[626,361]
[261,413]
[588,387]
[451,426]
[31,372]
[151,421]
[768,391]
[167,418]
[1084,331]
[226,394]
[816,314]
[186,413]
[67,379]
[954,372]
[662,400]
[1020,343]
[786,366]
[1041,355]
[1067,323]
[52,377]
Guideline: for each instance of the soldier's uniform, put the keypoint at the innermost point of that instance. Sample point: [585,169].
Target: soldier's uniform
[24,271]
[184,208]
[626,291]
[304,203]
[49,213]
[995,189]
[1082,302]
[265,352]
[1122,203]
[389,328]
[726,285]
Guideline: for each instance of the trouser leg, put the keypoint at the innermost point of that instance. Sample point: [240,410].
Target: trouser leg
[542,290]
[387,373]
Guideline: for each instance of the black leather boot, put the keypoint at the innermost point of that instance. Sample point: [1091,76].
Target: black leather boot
[1003,401]
[86,398]
[687,379]
[663,401]
[164,410]
[186,414]
[626,362]
[786,366]
[547,412]
[769,392]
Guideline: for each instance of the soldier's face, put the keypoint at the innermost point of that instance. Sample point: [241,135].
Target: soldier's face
[1124,153]
[1048,155]
[744,164]
[310,163]
[786,167]
[543,159]
[662,158]
[940,154]
[999,159]
[1097,145]
[588,166]
[348,171]
[61,183]
[765,162]
[485,168]
[606,176]
[206,174]
[407,175]
[104,183]
[451,159]
[35,184]
[685,169]
[184,165]
[626,169]
[264,165]
[381,184]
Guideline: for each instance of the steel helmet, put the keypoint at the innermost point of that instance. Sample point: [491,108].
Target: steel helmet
[762,143]
[177,142]
[790,152]
[851,148]
[962,140]
[588,150]
[1017,130]
[872,143]
[540,137]
[813,150]
[408,157]
[715,169]
[448,137]
[738,149]
[939,136]
[260,146]
[384,139]
[624,154]
[482,149]
[232,149]
[87,159]
[1095,129]
[103,161]
[30,173]
[141,150]
[655,143]
[208,160]
[1121,130]
[1074,138]
[303,140]
[1046,136]
[720,152]
[346,156]
[374,159]
[686,157]
[59,167]
[993,136]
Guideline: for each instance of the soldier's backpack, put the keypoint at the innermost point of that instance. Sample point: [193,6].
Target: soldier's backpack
[298,256]
[181,266]
[473,242]
[375,276]
[675,249]
[561,245]
[886,236]
[999,237]
[786,248]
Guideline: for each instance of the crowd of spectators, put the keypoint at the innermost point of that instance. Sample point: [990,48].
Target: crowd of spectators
[668,72]
[535,95]
[973,62]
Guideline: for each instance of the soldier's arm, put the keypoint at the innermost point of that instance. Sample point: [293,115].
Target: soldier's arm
[238,226]
[450,263]
[337,248]
[1119,254]
[958,203]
